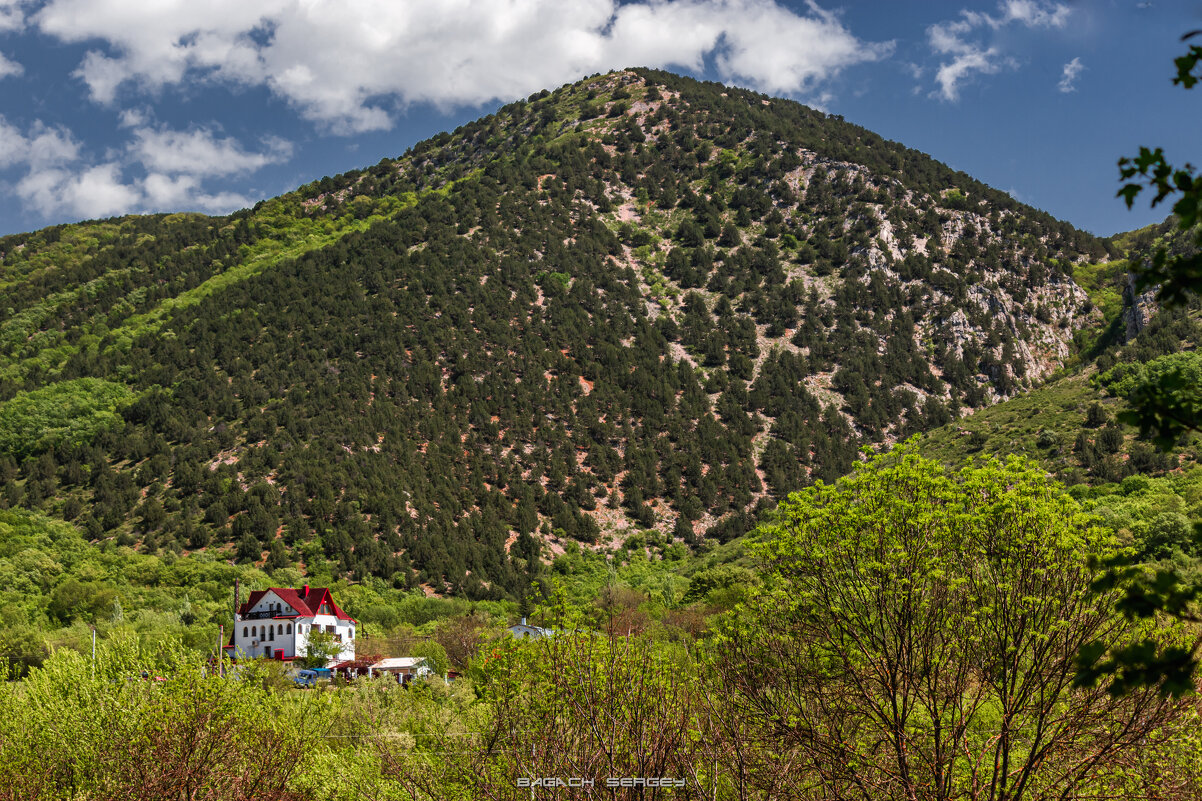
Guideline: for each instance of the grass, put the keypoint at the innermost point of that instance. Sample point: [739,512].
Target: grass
[1054,412]
[1104,284]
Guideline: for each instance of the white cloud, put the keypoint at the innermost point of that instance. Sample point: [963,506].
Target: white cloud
[951,74]
[348,64]
[96,191]
[133,118]
[48,146]
[1036,14]
[1068,78]
[12,17]
[8,67]
[102,74]
[158,170]
[184,191]
[12,144]
[961,40]
[200,152]
[42,147]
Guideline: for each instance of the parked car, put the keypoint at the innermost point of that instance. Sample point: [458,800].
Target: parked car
[309,677]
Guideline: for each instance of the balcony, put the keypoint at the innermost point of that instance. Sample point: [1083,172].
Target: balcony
[268,614]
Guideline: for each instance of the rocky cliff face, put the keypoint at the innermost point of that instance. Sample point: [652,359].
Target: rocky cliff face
[1138,308]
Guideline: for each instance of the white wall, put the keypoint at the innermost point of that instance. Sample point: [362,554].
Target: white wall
[343,627]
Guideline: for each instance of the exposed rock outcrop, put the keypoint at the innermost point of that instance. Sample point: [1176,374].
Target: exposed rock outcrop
[1138,308]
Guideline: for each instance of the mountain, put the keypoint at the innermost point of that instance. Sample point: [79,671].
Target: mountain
[1073,422]
[639,303]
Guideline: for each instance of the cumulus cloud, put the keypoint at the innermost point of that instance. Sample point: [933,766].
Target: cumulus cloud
[962,40]
[8,67]
[133,118]
[12,15]
[348,64]
[163,192]
[96,191]
[159,169]
[1035,14]
[201,152]
[43,146]
[1068,78]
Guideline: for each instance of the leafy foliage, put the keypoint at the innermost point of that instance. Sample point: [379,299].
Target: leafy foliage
[320,649]
[921,631]
[68,414]
[146,724]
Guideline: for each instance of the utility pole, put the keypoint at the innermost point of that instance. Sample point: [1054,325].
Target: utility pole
[93,652]
[236,599]
[220,638]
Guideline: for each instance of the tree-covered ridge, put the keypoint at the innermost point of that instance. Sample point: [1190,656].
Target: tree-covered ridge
[637,305]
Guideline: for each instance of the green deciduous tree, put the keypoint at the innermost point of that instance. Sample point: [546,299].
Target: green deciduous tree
[320,649]
[576,705]
[133,723]
[918,638]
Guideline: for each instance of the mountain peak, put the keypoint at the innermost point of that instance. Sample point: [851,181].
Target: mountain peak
[637,306]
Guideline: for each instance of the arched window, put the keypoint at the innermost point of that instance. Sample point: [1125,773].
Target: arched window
[289,628]
[281,628]
[244,631]
[352,634]
[271,633]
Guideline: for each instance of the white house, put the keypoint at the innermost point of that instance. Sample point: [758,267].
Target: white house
[276,623]
[405,668]
[524,632]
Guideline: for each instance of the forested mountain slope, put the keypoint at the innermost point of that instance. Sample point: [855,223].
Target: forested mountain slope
[636,302]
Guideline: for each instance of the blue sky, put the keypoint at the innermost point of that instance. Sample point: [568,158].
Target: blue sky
[117,106]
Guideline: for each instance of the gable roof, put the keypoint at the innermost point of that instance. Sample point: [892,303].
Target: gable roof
[305,601]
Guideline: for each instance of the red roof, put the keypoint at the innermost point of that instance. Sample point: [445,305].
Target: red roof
[306,601]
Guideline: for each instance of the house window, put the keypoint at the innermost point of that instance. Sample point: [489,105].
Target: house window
[289,628]
[254,631]
[267,652]
[271,633]
[281,628]
[244,631]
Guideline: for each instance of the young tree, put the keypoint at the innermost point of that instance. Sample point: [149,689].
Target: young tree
[919,639]
[320,649]
[460,637]
[572,706]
